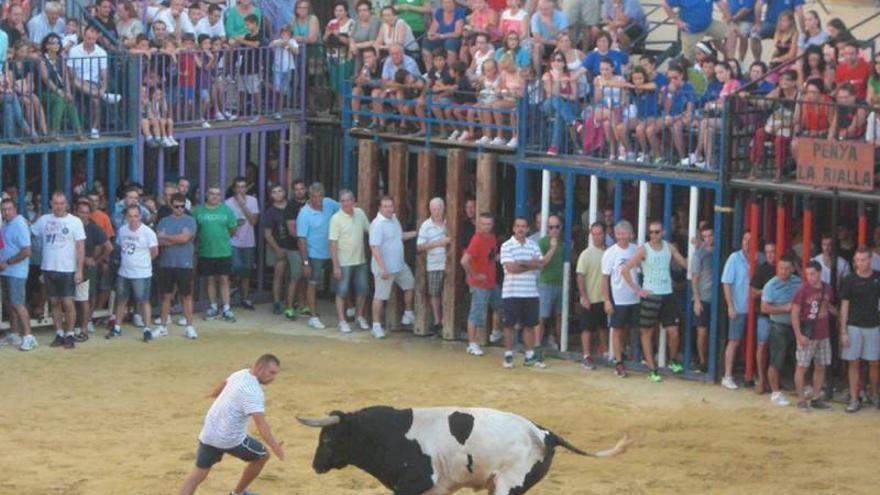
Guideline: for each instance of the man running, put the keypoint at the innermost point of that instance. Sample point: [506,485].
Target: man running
[658,304]
[237,399]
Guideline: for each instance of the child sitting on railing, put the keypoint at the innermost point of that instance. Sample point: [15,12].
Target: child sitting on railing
[156,125]
[462,97]
[220,79]
[21,71]
[489,86]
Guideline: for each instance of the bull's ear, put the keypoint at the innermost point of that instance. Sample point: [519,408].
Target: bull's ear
[320,422]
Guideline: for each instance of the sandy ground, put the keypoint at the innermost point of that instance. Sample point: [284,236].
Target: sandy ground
[122,417]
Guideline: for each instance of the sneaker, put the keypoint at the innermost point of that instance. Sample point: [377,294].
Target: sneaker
[190,332]
[496,336]
[303,310]
[534,361]
[80,336]
[219,116]
[587,363]
[58,341]
[206,124]
[552,151]
[211,313]
[138,321]
[166,142]
[483,140]
[513,143]
[148,335]
[344,327]
[508,361]
[230,115]
[28,343]
[181,322]
[778,399]
[151,142]
[474,350]
[111,98]
[160,331]
[277,308]
[408,318]
[276,116]
[620,370]
[655,377]
[315,322]
[362,323]
[803,405]
[12,339]
[248,304]
[377,331]
[455,135]
[819,404]
[229,316]
[113,333]
[464,137]
[69,341]
[808,390]
[729,383]
[675,366]
[350,312]
[499,141]
[551,342]
[641,158]
[700,368]
[853,406]
[94,134]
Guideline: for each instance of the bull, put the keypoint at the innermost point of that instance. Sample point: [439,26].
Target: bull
[437,451]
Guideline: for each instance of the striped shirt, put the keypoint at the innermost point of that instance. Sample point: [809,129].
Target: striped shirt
[227,421]
[523,284]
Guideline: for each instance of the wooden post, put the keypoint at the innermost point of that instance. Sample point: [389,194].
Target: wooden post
[368,177]
[486,201]
[398,188]
[425,190]
[453,297]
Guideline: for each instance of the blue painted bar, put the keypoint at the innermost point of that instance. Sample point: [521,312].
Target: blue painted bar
[22,183]
[261,201]
[222,164]
[521,186]
[202,154]
[90,169]
[242,154]
[667,211]
[160,170]
[181,158]
[68,169]
[111,182]
[44,183]
[283,179]
[618,200]
[738,218]
[569,219]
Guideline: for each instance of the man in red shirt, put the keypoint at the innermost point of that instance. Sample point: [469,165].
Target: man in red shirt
[854,70]
[809,317]
[479,265]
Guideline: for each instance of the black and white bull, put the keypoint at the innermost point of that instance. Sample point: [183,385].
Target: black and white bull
[437,451]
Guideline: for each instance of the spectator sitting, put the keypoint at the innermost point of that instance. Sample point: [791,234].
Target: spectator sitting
[219,80]
[780,124]
[128,25]
[482,20]
[838,32]
[363,32]
[396,61]
[50,20]
[175,21]
[394,31]
[625,20]
[711,121]
[186,78]
[695,22]
[481,51]
[812,66]
[441,86]
[574,61]
[234,24]
[873,93]
[56,81]
[408,90]
[369,82]
[156,124]
[643,94]
[560,91]
[13,25]
[204,68]
[105,23]
[159,33]
[758,84]
[853,70]
[813,113]
[677,107]
[771,10]
[211,24]
[22,74]
[546,23]
[785,40]
[414,13]
[445,31]
[511,88]
[850,115]
[813,35]
[514,19]
[488,96]
[71,35]
[610,99]
[513,47]
[603,50]
[463,96]
[337,36]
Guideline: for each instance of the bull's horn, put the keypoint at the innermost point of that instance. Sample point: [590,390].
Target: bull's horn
[320,422]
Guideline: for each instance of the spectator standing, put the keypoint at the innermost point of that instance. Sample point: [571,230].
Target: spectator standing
[138,246]
[413,13]
[433,240]
[175,234]
[776,300]
[860,328]
[550,285]
[63,251]
[522,262]
[235,16]
[14,25]
[546,24]
[97,250]
[852,69]
[625,20]
[244,243]
[763,274]
[49,21]
[313,230]
[281,241]
[769,11]
[88,64]
[479,263]
[591,315]
[695,22]
[810,319]
[702,283]
[215,224]
[735,283]
[14,262]
[128,24]
[388,265]
[825,259]
[348,227]
[585,19]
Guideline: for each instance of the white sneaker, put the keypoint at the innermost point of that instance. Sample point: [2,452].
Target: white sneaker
[455,135]
[206,124]
[350,312]
[111,98]
[378,332]
[94,134]
[137,321]
[362,323]
[513,143]
[474,350]
[464,137]
[28,343]
[230,115]
[551,342]
[729,383]
[160,331]
[408,318]
[641,158]
[499,141]
[344,327]
[90,328]
[166,142]
[173,141]
[808,391]
[12,339]
[777,398]
[315,322]
[157,320]
[484,140]
[190,332]
[181,322]
[496,336]
[219,116]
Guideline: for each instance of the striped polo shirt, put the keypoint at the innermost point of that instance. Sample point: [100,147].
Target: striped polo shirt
[524,284]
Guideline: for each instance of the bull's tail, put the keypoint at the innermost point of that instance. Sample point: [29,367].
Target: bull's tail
[621,446]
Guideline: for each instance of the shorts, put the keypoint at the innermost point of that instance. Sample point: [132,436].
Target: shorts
[659,309]
[403,278]
[593,319]
[633,31]
[179,278]
[106,277]
[81,293]
[187,93]
[625,316]
[243,261]
[549,300]
[768,29]
[318,269]
[705,318]
[716,30]
[737,328]
[250,450]
[136,289]
[14,290]
[204,94]
[864,344]
[520,311]
[250,83]
[817,351]
[353,276]
[481,301]
[745,28]
[281,81]
[452,45]
[435,283]
[294,264]
[578,14]
[781,342]
[763,329]
[59,285]
[209,267]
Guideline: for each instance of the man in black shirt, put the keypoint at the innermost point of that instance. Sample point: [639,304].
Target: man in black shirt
[14,25]
[280,240]
[860,327]
[470,222]
[763,273]
[97,249]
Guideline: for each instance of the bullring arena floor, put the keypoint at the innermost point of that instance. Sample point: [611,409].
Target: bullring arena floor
[122,417]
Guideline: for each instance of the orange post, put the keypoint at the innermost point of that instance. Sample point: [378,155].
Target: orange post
[863,225]
[808,233]
[751,323]
[781,246]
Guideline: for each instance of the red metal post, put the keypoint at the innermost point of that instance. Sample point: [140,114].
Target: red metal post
[863,225]
[751,323]
[808,233]
[781,246]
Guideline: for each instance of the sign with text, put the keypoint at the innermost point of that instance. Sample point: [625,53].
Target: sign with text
[835,164]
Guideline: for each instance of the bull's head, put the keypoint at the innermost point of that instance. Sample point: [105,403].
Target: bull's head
[334,444]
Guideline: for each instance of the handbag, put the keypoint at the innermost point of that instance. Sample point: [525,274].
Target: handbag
[807,326]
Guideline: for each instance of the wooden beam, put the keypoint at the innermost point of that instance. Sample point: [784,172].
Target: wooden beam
[453,296]
[486,201]
[424,192]
[368,176]
[398,188]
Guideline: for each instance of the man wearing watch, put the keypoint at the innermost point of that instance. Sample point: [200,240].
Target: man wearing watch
[313,230]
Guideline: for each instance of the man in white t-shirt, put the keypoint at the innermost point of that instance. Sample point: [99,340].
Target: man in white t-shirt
[237,399]
[63,251]
[824,258]
[624,310]
[243,240]
[433,240]
[211,24]
[88,64]
[175,20]
[138,245]
[388,265]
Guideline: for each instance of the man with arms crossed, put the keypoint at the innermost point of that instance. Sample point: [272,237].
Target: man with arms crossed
[237,399]
[621,302]
[776,301]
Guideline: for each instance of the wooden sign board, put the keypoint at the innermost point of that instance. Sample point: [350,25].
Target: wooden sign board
[835,164]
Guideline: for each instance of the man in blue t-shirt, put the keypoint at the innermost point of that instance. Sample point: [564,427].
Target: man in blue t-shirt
[776,301]
[767,28]
[694,19]
[313,231]
[740,18]
[14,256]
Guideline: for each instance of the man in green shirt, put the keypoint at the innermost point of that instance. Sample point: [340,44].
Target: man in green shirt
[413,13]
[550,284]
[216,222]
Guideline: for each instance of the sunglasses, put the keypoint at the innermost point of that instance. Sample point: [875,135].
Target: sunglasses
[554,227]
[179,207]
[655,231]
[559,60]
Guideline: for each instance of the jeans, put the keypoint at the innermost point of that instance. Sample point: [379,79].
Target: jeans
[13,117]
[562,110]
[59,108]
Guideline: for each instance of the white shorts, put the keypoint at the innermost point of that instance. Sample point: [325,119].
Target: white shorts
[82,292]
[403,278]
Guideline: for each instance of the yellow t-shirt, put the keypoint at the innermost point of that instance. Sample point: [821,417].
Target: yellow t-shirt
[348,231]
[590,266]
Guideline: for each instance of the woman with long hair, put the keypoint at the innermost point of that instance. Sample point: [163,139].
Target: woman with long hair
[813,34]
[609,100]
[873,97]
[779,126]
[128,24]
[58,88]
[784,40]
[642,94]
[560,95]
[812,65]
[574,60]
[711,121]
[514,19]
[812,116]
[337,39]
[21,72]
